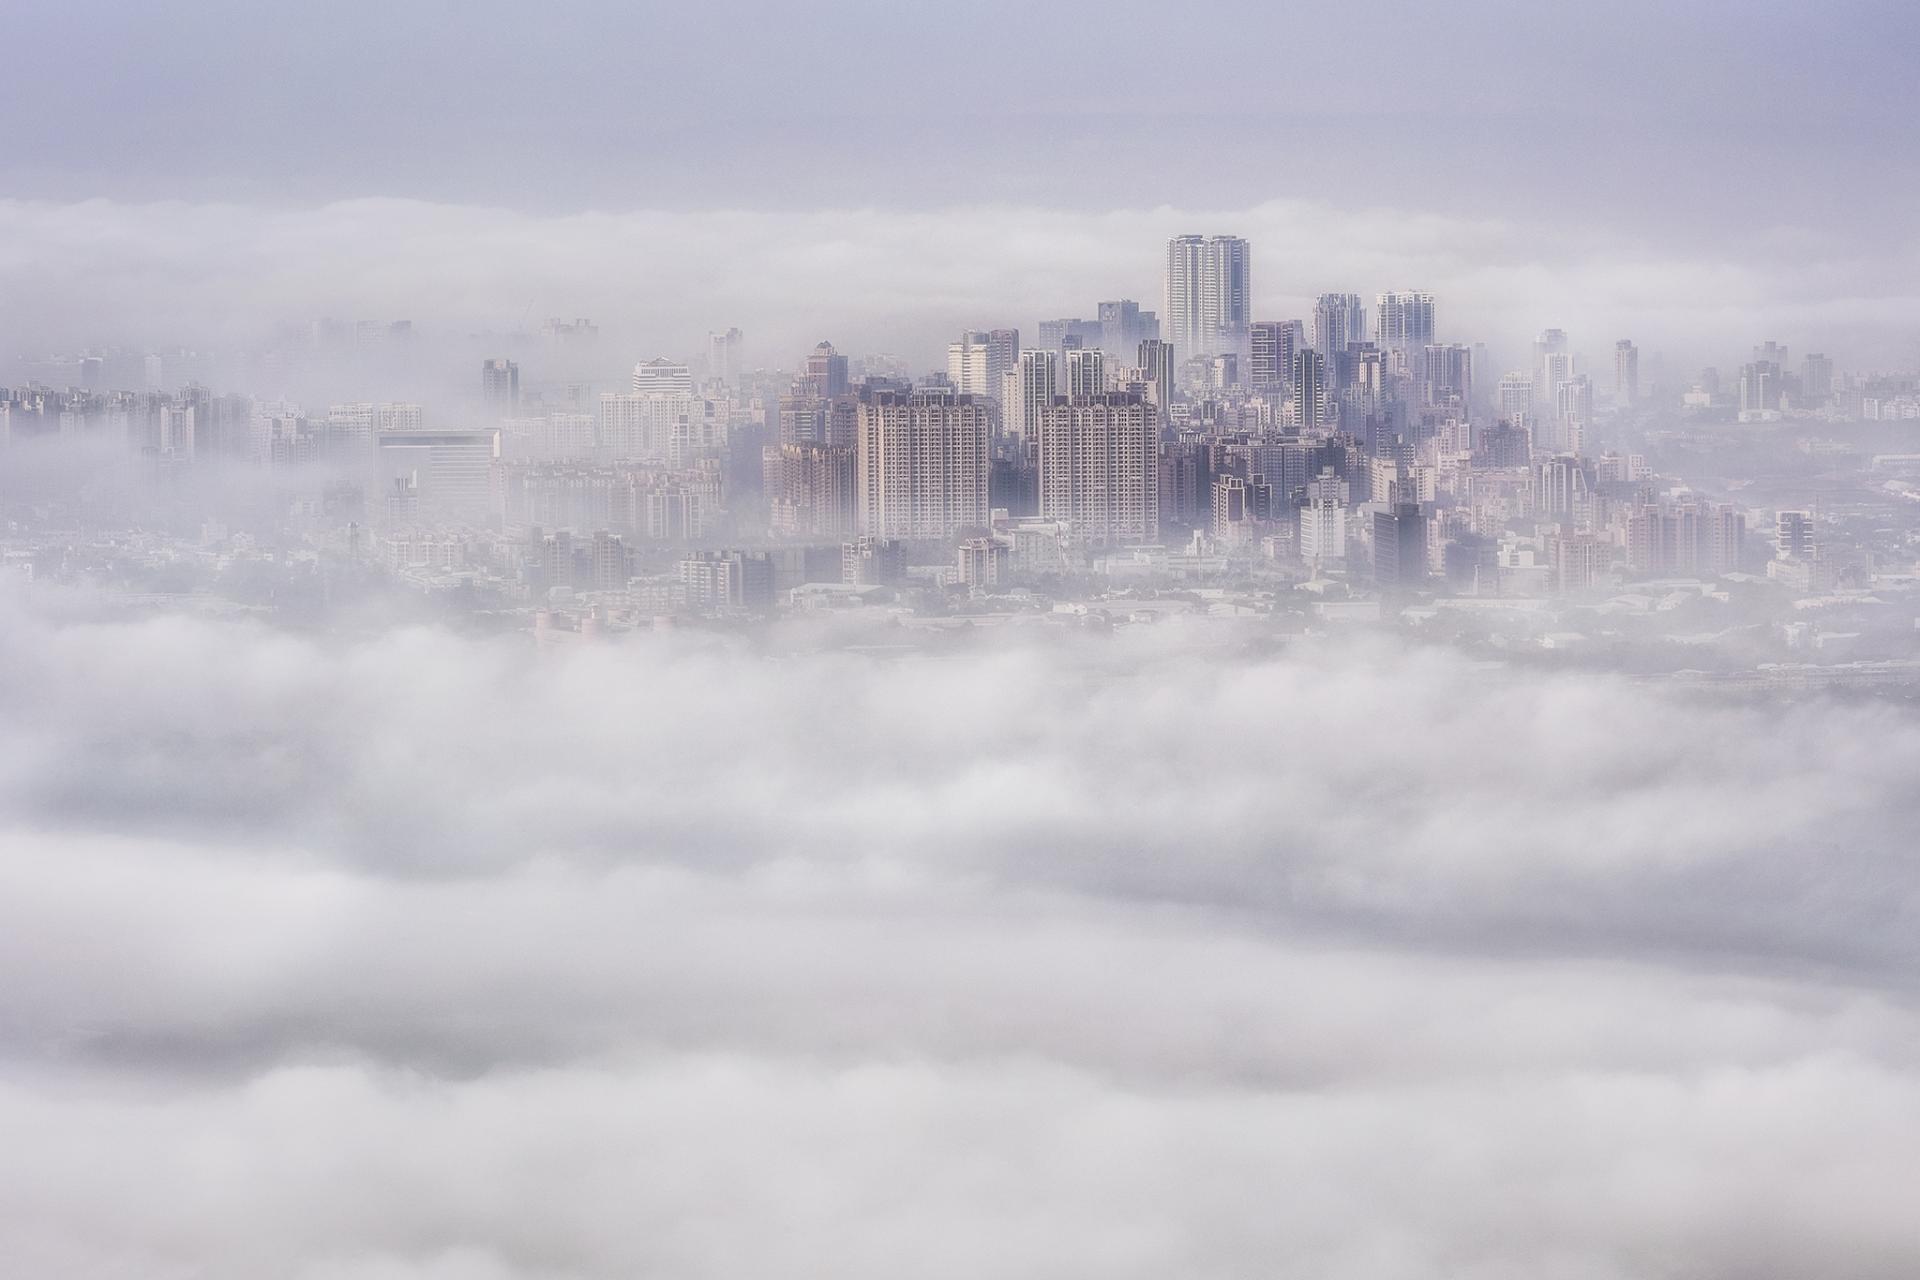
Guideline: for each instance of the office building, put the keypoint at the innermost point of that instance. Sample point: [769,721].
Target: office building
[1400,546]
[1793,537]
[441,475]
[662,377]
[1124,326]
[724,354]
[1626,373]
[1816,380]
[825,373]
[500,385]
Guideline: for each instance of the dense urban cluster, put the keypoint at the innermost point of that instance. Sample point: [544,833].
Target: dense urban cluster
[1358,465]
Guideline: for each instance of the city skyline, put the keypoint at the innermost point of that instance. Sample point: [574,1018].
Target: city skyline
[1228,641]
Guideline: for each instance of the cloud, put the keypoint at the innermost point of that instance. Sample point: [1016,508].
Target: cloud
[411,954]
[879,279]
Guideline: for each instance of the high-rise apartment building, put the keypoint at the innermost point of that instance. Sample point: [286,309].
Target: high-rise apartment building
[1155,360]
[1003,356]
[1100,466]
[1514,402]
[1086,373]
[1208,308]
[1446,374]
[968,366]
[1404,322]
[922,463]
[1036,381]
[1322,538]
[1573,412]
[1272,344]
[810,490]
[1339,321]
[1312,403]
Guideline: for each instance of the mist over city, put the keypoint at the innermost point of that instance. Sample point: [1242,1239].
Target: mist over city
[877,640]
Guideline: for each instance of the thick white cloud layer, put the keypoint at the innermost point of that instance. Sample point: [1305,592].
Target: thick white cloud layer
[417,955]
[876,279]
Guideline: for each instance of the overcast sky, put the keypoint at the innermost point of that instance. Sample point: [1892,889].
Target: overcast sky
[1636,112]
[1699,177]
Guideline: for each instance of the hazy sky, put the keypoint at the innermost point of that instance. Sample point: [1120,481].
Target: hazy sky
[1699,177]
[1636,113]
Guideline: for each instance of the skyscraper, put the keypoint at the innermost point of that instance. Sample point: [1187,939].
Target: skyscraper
[1405,322]
[1759,389]
[1310,401]
[1208,295]
[1100,466]
[1573,411]
[1155,359]
[1514,404]
[1339,321]
[1626,373]
[723,354]
[1816,382]
[1446,374]
[1003,356]
[1036,383]
[922,463]
[1272,347]
[1550,346]
[825,374]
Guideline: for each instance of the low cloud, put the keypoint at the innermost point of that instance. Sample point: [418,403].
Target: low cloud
[876,279]
[411,954]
